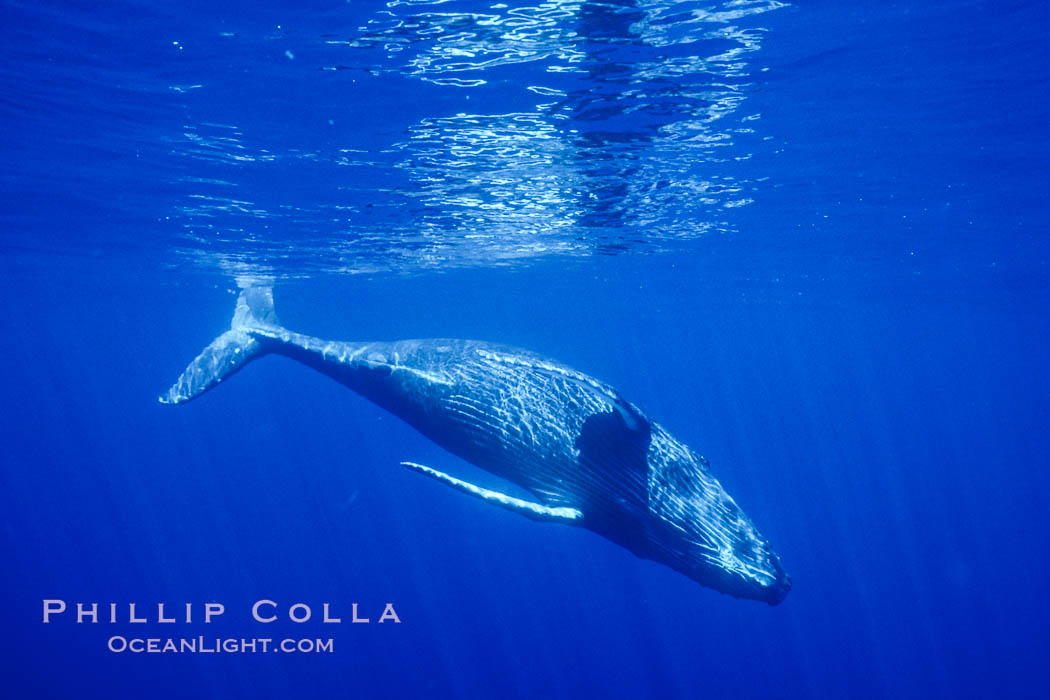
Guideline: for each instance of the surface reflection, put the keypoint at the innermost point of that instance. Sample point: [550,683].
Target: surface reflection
[558,128]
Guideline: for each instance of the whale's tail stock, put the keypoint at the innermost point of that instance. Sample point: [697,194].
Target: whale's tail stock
[231,350]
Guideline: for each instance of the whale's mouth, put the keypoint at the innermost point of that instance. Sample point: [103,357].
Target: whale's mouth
[698,529]
[757,570]
[773,587]
[738,562]
[778,592]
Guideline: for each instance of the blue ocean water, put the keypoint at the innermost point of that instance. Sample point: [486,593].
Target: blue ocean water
[810,239]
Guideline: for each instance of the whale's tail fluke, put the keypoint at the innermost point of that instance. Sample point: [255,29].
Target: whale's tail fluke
[231,350]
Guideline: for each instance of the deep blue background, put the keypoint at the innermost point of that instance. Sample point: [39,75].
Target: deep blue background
[861,353]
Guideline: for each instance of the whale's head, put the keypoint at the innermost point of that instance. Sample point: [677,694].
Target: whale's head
[697,528]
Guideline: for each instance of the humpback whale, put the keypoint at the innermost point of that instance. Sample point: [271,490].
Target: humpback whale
[589,457]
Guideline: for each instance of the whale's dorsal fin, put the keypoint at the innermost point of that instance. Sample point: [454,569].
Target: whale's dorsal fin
[518,505]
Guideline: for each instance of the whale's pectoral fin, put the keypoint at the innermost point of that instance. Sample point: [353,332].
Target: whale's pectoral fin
[613,443]
[529,509]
